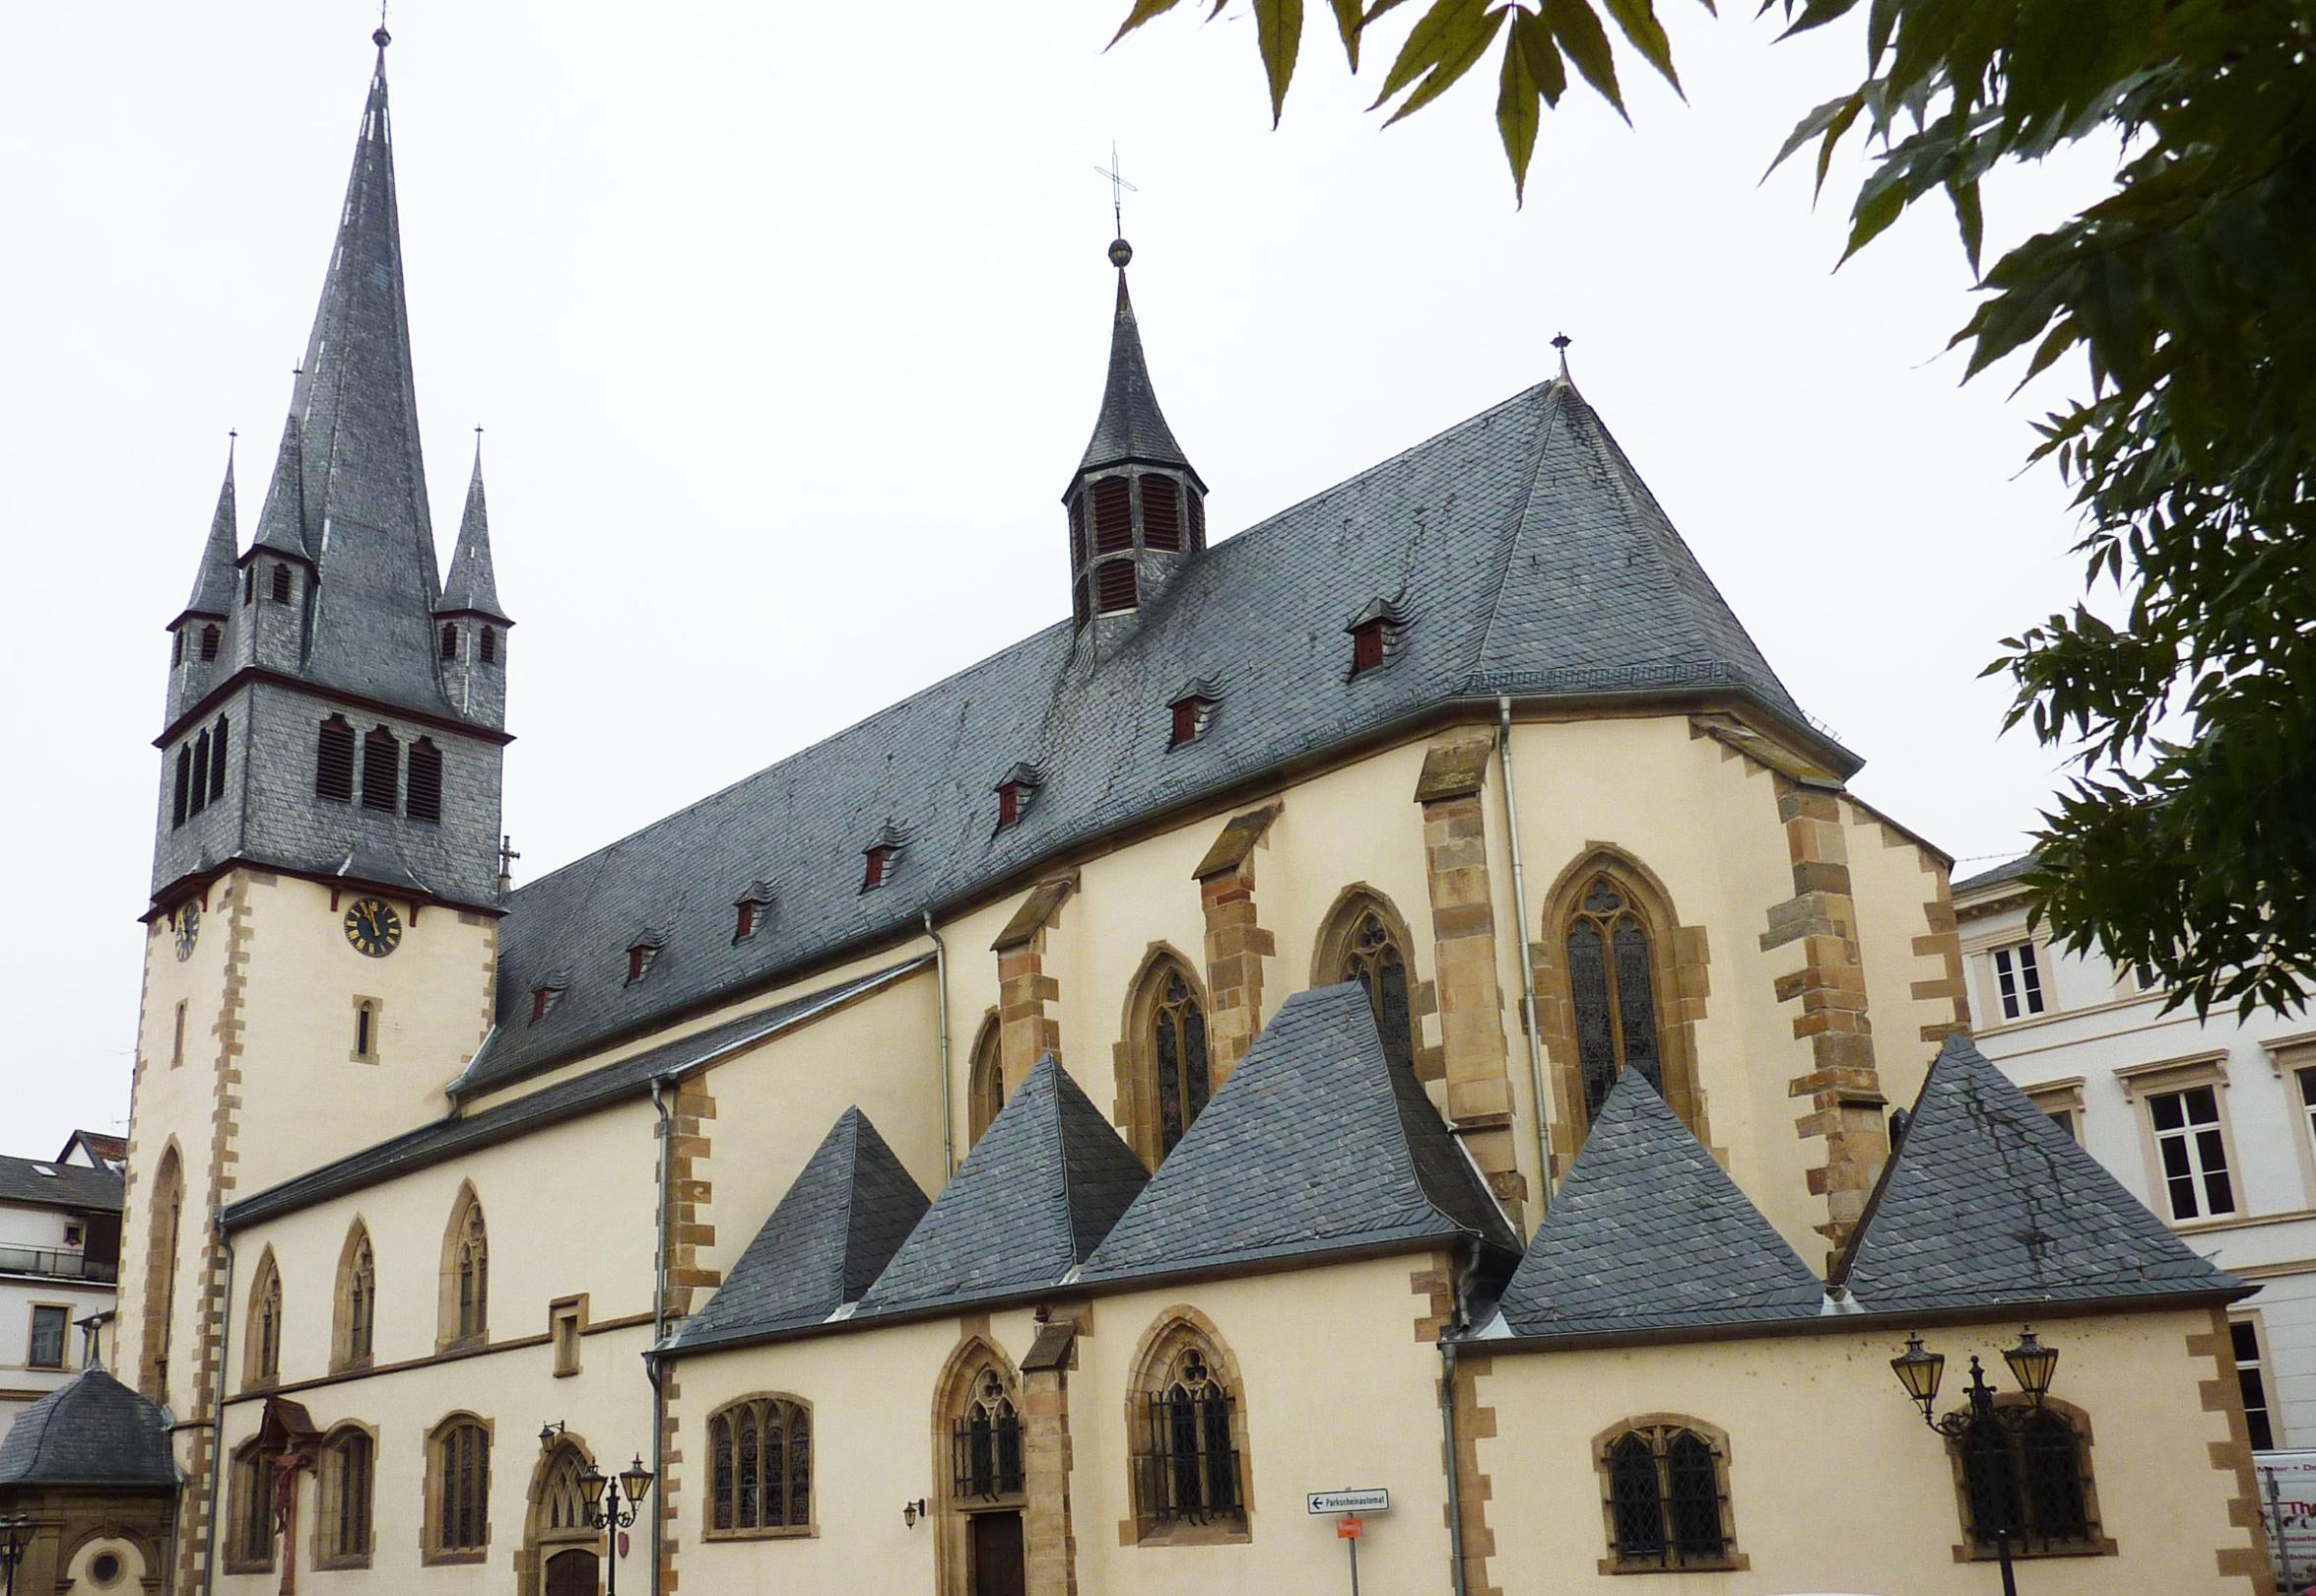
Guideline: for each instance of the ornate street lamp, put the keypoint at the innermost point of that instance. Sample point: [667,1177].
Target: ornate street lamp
[602,1497]
[1982,1423]
[16,1533]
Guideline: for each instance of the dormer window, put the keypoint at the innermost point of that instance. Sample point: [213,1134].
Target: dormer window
[638,962]
[1015,794]
[1374,635]
[752,910]
[883,858]
[543,1001]
[1192,708]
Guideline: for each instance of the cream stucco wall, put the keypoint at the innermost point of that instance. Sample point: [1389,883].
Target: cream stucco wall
[1835,1483]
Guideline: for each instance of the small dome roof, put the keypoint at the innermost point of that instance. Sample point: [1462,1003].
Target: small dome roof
[90,1430]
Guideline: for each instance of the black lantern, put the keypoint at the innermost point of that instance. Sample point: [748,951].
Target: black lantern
[1982,1422]
[636,1480]
[1919,1373]
[2032,1365]
[911,1511]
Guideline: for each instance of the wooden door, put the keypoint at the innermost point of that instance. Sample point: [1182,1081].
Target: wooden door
[571,1573]
[997,1555]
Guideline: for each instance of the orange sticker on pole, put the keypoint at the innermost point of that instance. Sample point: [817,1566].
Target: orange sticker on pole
[1350,1527]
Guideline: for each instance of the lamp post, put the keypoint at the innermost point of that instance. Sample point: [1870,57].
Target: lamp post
[612,1502]
[15,1532]
[2031,1364]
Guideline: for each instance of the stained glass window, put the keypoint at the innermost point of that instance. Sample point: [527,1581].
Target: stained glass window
[1179,1057]
[761,1465]
[1372,957]
[1612,986]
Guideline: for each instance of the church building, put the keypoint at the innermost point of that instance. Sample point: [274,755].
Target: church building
[1381,1041]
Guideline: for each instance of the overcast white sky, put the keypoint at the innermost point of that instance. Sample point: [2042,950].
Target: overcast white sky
[787,324]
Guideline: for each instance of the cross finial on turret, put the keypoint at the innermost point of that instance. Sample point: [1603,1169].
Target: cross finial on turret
[1120,250]
[1560,342]
[381,39]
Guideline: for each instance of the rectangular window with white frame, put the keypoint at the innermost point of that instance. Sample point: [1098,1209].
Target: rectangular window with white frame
[2190,1153]
[49,1323]
[2251,1375]
[2017,979]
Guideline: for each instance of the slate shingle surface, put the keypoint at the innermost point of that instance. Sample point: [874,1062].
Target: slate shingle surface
[1316,1144]
[565,1100]
[1529,558]
[90,1430]
[833,1232]
[1129,426]
[1035,1196]
[1649,1234]
[473,583]
[2001,873]
[73,1186]
[1987,1200]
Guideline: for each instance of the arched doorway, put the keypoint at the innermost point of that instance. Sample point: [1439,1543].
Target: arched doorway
[564,1550]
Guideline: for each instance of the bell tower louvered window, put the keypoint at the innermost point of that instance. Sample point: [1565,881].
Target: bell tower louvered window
[200,783]
[333,764]
[216,759]
[209,642]
[184,782]
[1161,513]
[382,770]
[1113,515]
[281,579]
[1114,587]
[490,645]
[424,801]
[449,645]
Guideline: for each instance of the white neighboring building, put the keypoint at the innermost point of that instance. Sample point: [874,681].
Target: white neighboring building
[2212,1124]
[59,1262]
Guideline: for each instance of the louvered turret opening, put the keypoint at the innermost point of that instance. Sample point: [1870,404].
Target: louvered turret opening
[333,762]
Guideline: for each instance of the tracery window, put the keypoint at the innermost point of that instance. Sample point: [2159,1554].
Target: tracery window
[160,1268]
[985,1088]
[459,1498]
[1363,946]
[1179,1073]
[357,1300]
[760,1452]
[985,1441]
[562,1494]
[465,1310]
[1188,1455]
[265,1324]
[1667,1498]
[250,1504]
[349,1469]
[1612,986]
[2033,1478]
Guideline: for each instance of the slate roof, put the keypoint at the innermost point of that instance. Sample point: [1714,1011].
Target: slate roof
[1032,1200]
[1316,1144]
[1998,875]
[1129,426]
[1531,559]
[1987,1200]
[75,1186]
[90,1430]
[472,587]
[1649,1234]
[832,1233]
[598,1088]
[213,582]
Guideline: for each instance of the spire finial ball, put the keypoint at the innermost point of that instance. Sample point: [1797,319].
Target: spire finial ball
[381,39]
[1120,253]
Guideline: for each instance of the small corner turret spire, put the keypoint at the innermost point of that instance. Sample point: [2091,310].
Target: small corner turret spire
[212,596]
[1560,342]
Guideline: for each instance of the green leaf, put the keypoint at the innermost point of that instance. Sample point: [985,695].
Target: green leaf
[1639,20]
[1518,110]
[1531,36]
[1143,10]
[1348,21]
[1277,32]
[1875,213]
[1586,42]
[1970,218]
[1461,58]
[1443,33]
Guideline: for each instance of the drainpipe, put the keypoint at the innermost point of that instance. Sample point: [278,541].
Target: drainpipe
[217,1433]
[1503,747]
[659,1319]
[940,982]
[1448,1337]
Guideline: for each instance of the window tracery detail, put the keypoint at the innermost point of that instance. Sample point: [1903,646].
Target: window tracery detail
[1664,1493]
[760,1453]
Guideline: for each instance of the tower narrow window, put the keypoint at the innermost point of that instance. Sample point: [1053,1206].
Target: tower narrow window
[382,770]
[177,815]
[450,643]
[209,642]
[176,648]
[366,1030]
[1114,586]
[1113,515]
[1078,533]
[200,783]
[248,585]
[216,759]
[425,799]
[1162,514]
[333,762]
[490,645]
[281,584]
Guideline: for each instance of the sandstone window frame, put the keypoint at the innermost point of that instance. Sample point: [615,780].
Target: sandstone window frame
[567,1323]
[165,1220]
[261,1346]
[1165,986]
[741,1438]
[1653,1438]
[1177,1334]
[353,1313]
[1971,1549]
[2017,974]
[2144,1086]
[555,1512]
[463,1308]
[249,1509]
[1360,926]
[2062,1101]
[457,1487]
[346,1494]
[368,1015]
[984,1079]
[963,1375]
[2292,1061]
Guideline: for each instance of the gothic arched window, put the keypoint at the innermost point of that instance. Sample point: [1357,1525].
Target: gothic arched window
[349,1472]
[1188,1446]
[458,1486]
[985,1440]
[1178,1058]
[382,770]
[357,1300]
[1612,990]
[333,762]
[2033,1478]
[264,1356]
[465,1308]
[249,1509]
[1664,1492]
[424,801]
[161,1272]
[760,1461]
[1363,943]
[985,1087]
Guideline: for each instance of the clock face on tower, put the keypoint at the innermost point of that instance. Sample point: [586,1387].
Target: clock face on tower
[188,929]
[373,927]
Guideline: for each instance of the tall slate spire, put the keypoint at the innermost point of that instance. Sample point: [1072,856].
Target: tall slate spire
[1137,505]
[350,452]
[472,588]
[213,583]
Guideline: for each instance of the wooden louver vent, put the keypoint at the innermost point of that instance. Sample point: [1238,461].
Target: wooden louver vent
[1113,515]
[490,645]
[1113,585]
[1197,524]
[209,640]
[216,759]
[1161,513]
[333,764]
[1078,533]
[281,584]
[449,641]
[382,770]
[1082,600]
[425,799]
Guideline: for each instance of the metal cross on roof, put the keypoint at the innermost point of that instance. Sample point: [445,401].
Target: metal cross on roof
[1119,188]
